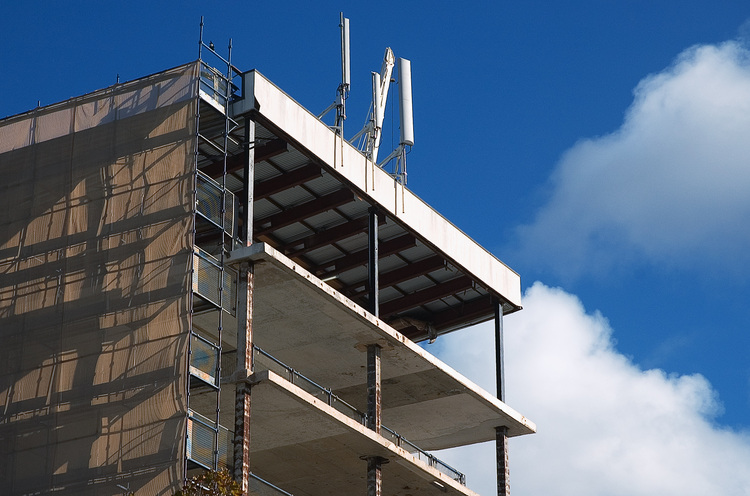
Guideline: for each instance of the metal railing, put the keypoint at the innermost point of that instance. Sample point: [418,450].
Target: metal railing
[268,362]
[201,440]
[206,275]
[265,361]
[422,455]
[209,203]
[204,360]
[261,487]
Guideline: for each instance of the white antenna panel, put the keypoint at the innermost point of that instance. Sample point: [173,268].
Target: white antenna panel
[405,108]
[376,105]
[345,58]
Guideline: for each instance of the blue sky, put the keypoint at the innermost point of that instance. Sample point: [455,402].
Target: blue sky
[600,148]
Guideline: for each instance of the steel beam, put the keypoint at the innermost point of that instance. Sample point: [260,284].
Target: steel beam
[476,309]
[401,274]
[237,162]
[426,295]
[287,180]
[330,235]
[357,258]
[303,211]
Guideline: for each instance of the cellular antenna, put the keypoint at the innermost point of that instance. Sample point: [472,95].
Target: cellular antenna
[404,103]
[345,56]
[342,92]
[407,120]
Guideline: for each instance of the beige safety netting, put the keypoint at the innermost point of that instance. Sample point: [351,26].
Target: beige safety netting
[95,249]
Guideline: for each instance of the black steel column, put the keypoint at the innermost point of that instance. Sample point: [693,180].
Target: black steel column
[374,476]
[372,263]
[249,180]
[499,357]
[501,433]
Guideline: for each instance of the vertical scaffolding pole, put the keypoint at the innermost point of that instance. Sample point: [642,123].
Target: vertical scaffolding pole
[245,324]
[372,264]
[501,432]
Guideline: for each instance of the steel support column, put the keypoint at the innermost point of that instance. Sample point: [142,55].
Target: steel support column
[244,368]
[372,263]
[501,433]
[374,410]
[245,289]
[249,180]
[503,471]
[374,414]
[499,356]
[374,476]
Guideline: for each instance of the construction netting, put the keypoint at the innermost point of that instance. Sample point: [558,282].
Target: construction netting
[96,212]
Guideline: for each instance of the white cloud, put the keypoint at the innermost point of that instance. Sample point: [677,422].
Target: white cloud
[605,426]
[670,185]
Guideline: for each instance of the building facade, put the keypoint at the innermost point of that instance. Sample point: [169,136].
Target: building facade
[198,273]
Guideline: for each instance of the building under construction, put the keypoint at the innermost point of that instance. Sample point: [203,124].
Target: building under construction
[197,273]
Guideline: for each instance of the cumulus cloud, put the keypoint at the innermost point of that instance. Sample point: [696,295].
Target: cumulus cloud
[670,186]
[605,426]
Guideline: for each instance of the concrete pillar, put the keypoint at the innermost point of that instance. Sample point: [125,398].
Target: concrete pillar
[373,299]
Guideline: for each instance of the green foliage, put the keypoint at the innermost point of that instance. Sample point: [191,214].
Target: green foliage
[211,483]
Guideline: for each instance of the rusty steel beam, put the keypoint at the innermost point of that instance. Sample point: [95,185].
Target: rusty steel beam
[395,276]
[426,295]
[287,180]
[303,211]
[357,258]
[237,162]
[330,235]
[468,311]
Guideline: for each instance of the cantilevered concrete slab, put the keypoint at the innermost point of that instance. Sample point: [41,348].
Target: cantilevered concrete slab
[312,328]
[307,447]
[277,111]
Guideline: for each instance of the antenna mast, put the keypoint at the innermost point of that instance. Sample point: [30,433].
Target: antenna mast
[373,128]
[342,92]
